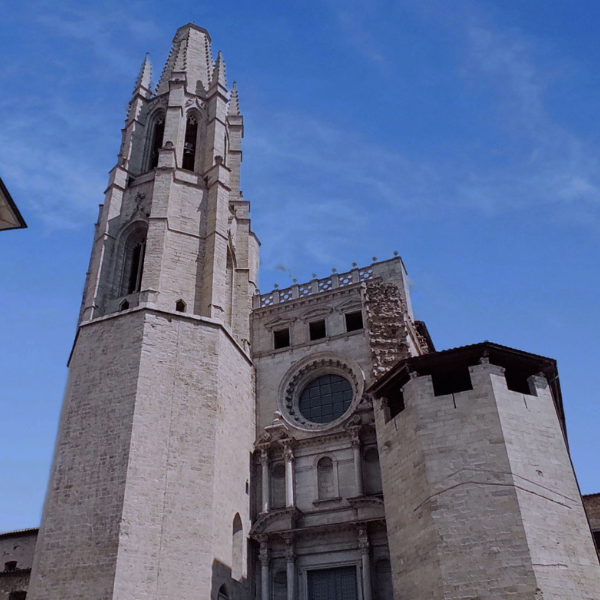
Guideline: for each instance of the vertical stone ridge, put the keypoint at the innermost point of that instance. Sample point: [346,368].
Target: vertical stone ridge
[209,58]
[181,59]
[233,110]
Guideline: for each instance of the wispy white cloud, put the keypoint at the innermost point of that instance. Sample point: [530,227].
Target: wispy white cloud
[359,36]
[100,31]
[319,180]
[55,147]
[551,165]
[352,17]
[55,187]
[328,184]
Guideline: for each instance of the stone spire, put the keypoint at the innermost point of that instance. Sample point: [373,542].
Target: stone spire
[142,90]
[144,79]
[190,59]
[233,110]
[218,75]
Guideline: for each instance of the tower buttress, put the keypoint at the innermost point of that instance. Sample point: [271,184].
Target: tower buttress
[235,122]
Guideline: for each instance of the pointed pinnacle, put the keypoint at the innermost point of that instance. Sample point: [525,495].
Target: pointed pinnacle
[145,77]
[218,75]
[234,101]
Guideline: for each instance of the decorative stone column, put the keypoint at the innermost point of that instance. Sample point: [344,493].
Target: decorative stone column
[265,592]
[288,456]
[266,484]
[356,447]
[290,556]
[363,545]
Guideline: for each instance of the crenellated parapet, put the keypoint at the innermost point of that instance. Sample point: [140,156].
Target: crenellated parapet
[480,492]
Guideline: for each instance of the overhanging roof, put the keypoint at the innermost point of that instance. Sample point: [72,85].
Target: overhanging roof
[525,363]
[10,217]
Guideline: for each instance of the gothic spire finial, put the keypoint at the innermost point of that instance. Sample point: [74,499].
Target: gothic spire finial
[218,75]
[190,54]
[234,102]
[144,79]
[142,89]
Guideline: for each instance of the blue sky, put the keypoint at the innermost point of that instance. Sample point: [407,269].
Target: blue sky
[462,134]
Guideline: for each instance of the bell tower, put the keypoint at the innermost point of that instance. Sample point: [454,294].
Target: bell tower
[159,403]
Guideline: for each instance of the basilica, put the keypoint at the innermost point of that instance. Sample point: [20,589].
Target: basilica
[308,443]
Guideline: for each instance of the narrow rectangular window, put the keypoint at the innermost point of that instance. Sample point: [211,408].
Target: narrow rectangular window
[317,330]
[281,338]
[354,321]
[137,267]
[189,145]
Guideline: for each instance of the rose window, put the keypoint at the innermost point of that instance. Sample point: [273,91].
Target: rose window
[325,398]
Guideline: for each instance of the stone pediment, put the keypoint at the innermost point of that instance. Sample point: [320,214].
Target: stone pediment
[367,507]
[279,323]
[276,521]
[350,304]
[315,313]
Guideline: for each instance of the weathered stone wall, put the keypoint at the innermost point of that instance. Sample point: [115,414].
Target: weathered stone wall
[152,460]
[558,535]
[387,331]
[19,547]
[467,513]
[13,582]
[78,540]
[189,461]
[591,502]
[273,365]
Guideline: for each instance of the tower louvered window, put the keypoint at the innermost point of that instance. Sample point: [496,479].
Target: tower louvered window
[137,267]
[158,133]
[133,261]
[189,146]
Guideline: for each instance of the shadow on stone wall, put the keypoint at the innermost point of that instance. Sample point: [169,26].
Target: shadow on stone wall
[236,590]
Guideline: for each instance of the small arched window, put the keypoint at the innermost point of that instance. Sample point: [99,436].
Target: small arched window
[180,306]
[133,261]
[189,144]
[372,472]
[237,548]
[326,479]
[157,134]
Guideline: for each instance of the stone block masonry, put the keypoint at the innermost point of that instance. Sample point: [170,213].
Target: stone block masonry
[481,498]
[146,482]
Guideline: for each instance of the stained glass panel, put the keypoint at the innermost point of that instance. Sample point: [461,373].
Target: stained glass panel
[325,398]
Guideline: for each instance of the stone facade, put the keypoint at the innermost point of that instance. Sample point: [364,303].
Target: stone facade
[304,444]
[483,501]
[591,502]
[16,558]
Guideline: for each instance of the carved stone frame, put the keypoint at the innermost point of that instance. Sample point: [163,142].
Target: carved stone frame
[304,371]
